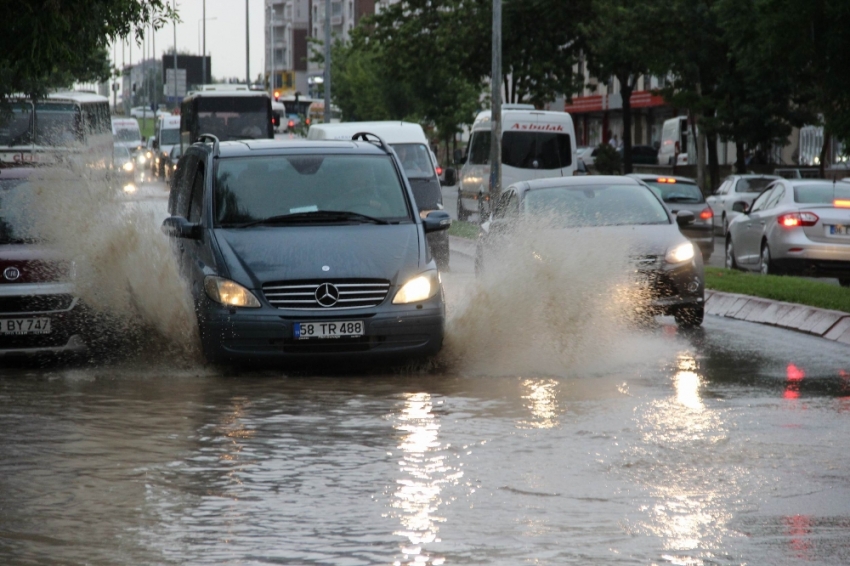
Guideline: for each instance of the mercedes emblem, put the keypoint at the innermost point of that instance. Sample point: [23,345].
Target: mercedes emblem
[327,295]
[11,273]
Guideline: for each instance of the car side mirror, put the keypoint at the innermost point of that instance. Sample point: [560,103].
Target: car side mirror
[741,206]
[685,217]
[155,144]
[436,220]
[458,156]
[179,227]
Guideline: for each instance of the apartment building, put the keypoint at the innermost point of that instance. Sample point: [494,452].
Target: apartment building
[290,24]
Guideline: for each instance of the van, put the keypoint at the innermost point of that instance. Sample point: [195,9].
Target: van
[536,144]
[126,133]
[419,163]
[674,142]
[166,137]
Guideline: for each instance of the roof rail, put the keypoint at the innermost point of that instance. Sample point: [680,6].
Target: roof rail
[363,136]
[204,138]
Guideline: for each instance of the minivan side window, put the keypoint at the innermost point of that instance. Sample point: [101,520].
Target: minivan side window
[178,201]
[197,197]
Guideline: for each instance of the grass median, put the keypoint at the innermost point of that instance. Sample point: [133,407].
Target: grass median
[787,289]
[463,229]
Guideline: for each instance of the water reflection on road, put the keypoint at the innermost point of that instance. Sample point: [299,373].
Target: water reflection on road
[729,445]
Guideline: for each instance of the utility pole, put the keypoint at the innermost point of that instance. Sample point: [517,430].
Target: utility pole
[327,70]
[174,7]
[272,81]
[247,47]
[495,185]
[204,52]
[154,103]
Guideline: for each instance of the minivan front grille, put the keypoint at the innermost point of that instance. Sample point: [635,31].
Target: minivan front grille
[334,294]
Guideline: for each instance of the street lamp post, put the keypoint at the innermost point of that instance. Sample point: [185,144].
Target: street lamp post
[495,111]
[327,70]
[203,53]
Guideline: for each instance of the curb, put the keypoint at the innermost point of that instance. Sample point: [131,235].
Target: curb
[832,325]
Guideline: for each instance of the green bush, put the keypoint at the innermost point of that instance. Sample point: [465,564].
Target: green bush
[607,160]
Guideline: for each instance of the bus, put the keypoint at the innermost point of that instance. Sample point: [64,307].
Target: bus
[228,114]
[60,125]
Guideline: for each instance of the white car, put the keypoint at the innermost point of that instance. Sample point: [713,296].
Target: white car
[733,189]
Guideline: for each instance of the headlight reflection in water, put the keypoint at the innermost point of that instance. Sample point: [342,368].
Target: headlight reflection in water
[424,473]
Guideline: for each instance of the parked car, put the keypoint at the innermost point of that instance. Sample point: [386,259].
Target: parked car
[608,206]
[682,193]
[39,312]
[642,154]
[794,227]
[735,188]
[305,250]
[587,154]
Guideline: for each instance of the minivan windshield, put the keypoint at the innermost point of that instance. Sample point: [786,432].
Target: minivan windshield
[252,189]
[596,205]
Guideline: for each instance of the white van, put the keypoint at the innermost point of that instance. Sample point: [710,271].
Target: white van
[166,137]
[126,133]
[419,162]
[674,142]
[536,144]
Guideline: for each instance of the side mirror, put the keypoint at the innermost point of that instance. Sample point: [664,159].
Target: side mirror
[741,206]
[457,156]
[179,227]
[450,176]
[436,220]
[685,217]
[155,143]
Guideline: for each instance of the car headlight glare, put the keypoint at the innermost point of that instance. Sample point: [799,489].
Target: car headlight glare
[229,293]
[420,288]
[128,166]
[682,252]
[165,154]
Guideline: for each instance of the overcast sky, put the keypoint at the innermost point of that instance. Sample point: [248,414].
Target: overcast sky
[225,36]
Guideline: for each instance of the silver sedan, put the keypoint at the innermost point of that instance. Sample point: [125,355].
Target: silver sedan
[733,189]
[796,226]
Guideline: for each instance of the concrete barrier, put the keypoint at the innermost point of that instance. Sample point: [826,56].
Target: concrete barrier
[829,324]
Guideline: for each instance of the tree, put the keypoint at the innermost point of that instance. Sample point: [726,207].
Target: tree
[619,46]
[40,41]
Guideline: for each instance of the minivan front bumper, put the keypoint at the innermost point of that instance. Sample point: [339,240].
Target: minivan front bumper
[267,334]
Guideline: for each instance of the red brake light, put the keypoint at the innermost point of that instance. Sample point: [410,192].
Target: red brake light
[841,203]
[291,124]
[307,121]
[794,219]
[706,214]
[439,170]
[666,180]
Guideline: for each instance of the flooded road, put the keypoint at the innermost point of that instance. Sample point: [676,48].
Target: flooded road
[729,445]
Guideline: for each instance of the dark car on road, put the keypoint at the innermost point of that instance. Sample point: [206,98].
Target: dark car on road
[39,311]
[642,154]
[305,250]
[620,209]
[682,193]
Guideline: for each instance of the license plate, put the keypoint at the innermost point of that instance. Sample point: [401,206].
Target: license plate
[838,230]
[10,326]
[340,329]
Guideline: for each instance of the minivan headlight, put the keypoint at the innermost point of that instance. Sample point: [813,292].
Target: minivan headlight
[420,288]
[682,252]
[229,293]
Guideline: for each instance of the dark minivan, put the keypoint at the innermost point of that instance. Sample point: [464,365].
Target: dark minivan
[305,250]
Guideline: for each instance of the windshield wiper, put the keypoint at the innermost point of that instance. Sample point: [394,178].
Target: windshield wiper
[315,216]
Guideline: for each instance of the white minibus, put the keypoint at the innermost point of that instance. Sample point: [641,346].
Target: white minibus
[536,144]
